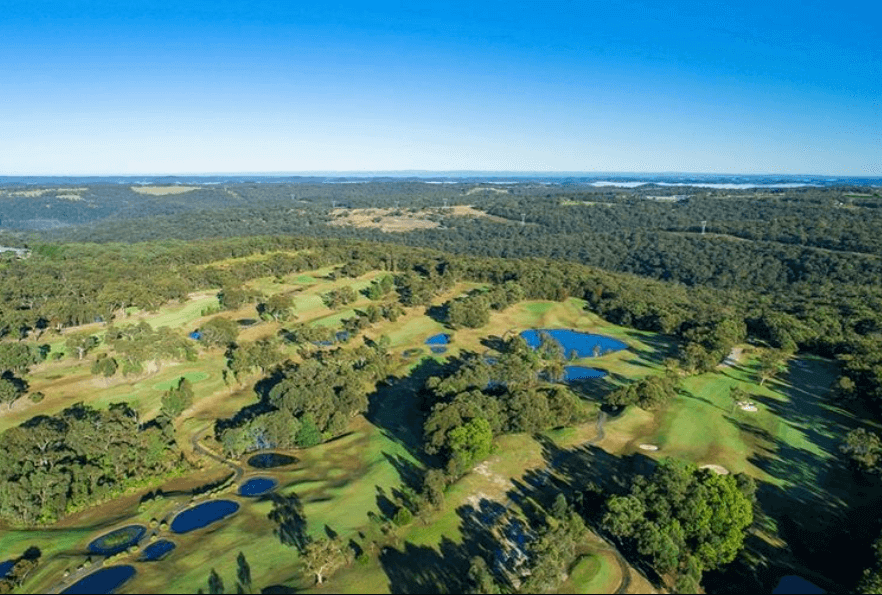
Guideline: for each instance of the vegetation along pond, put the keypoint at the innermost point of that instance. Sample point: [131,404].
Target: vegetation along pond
[106,580]
[203,515]
[583,344]
[117,541]
[257,486]
[572,373]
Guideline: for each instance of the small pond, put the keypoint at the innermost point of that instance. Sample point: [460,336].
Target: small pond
[106,580]
[439,339]
[268,460]
[583,344]
[117,541]
[246,322]
[341,336]
[157,550]
[796,584]
[195,335]
[581,372]
[5,567]
[203,515]
[257,486]
[438,349]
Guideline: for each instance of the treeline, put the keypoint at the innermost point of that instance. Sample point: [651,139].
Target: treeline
[52,465]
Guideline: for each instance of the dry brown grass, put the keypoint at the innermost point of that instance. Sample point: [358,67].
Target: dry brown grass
[400,220]
[163,190]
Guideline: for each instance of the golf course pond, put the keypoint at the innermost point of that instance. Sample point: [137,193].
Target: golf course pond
[575,342]
[157,551]
[257,486]
[796,584]
[5,567]
[203,515]
[106,580]
[268,460]
[437,343]
[117,541]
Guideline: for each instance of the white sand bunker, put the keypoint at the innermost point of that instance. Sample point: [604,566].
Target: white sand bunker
[745,406]
[718,469]
[648,447]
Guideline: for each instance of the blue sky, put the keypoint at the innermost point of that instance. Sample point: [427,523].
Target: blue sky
[140,86]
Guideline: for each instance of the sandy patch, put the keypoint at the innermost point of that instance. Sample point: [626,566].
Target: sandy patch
[733,358]
[746,406]
[478,189]
[163,190]
[392,220]
[718,469]
[648,447]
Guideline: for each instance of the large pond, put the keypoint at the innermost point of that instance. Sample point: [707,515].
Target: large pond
[582,344]
[157,550]
[117,541]
[106,580]
[257,486]
[796,584]
[203,515]
[572,373]
[268,460]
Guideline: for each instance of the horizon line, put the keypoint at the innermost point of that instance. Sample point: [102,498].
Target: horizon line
[426,173]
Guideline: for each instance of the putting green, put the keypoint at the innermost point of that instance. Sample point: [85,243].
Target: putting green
[191,376]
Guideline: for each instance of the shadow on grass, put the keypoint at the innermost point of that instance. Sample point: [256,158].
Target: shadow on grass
[825,513]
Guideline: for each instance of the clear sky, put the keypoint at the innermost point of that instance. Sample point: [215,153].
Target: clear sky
[151,86]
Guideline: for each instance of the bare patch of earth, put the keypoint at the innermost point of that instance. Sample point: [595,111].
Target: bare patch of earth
[163,190]
[393,220]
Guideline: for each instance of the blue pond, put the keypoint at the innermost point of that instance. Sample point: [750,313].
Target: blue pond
[796,584]
[203,515]
[268,460]
[105,580]
[157,551]
[439,339]
[5,567]
[195,335]
[437,349]
[257,486]
[581,372]
[583,344]
[117,541]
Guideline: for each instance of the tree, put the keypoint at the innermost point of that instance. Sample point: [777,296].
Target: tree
[219,332]
[770,363]
[81,343]
[177,399]
[470,443]
[10,391]
[215,583]
[481,579]
[738,396]
[105,366]
[864,450]
[684,516]
[243,573]
[324,556]
[278,307]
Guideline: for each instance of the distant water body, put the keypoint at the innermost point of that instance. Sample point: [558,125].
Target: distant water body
[597,180]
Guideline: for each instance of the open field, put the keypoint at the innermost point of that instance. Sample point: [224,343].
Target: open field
[401,220]
[163,190]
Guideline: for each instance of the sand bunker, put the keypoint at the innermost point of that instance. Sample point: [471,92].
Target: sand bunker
[746,406]
[718,469]
[648,447]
